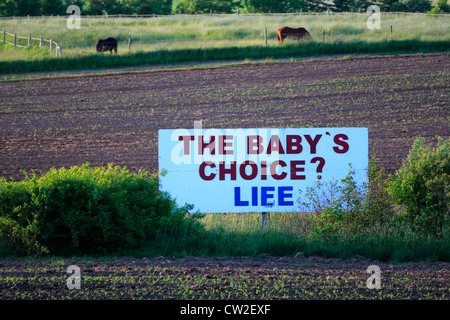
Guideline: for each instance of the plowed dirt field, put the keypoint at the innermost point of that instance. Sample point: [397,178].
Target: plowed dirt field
[114,118]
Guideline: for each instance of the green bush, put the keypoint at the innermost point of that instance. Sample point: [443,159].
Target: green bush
[346,210]
[440,7]
[435,10]
[343,218]
[84,210]
[422,187]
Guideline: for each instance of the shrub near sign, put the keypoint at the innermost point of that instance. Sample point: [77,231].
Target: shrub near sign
[249,170]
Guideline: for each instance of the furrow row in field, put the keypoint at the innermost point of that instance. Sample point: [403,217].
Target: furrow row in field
[115,118]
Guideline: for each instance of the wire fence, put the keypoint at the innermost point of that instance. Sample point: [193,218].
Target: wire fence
[180,14]
[29,42]
[19,41]
[133,43]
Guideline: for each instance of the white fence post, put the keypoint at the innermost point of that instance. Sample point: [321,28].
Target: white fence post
[29,42]
[58,50]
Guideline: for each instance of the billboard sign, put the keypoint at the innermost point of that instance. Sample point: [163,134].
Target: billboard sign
[256,170]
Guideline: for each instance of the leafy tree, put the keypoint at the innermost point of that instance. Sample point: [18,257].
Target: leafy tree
[224,6]
[95,7]
[317,6]
[154,6]
[20,7]
[342,5]
[205,6]
[37,7]
[80,3]
[440,7]
[399,7]
[350,5]
[265,6]
[113,6]
[31,7]
[99,7]
[7,7]
[129,6]
[296,6]
[443,5]
[52,7]
[387,5]
[418,5]
[361,5]
[408,5]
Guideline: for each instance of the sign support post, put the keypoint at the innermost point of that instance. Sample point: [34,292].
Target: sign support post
[263,220]
[264,215]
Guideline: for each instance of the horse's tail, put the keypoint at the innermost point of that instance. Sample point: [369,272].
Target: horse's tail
[279,38]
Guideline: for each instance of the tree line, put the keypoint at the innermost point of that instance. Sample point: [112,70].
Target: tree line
[165,7]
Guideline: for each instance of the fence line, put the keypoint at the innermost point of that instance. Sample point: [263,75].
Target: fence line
[266,36]
[320,35]
[29,38]
[28,17]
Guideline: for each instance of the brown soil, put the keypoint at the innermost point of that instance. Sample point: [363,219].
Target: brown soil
[248,278]
[115,118]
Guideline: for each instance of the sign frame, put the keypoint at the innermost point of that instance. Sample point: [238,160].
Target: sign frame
[256,169]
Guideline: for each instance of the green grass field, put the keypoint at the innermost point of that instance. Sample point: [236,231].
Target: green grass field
[203,37]
[286,234]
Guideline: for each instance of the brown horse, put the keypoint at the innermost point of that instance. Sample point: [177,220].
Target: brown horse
[108,44]
[298,34]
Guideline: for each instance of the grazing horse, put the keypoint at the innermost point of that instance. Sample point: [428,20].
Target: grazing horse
[298,34]
[108,44]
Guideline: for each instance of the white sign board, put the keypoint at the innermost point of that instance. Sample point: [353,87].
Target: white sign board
[250,170]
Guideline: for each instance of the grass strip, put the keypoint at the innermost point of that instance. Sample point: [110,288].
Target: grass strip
[96,61]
